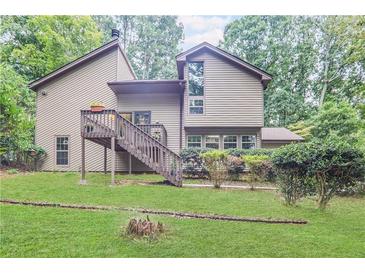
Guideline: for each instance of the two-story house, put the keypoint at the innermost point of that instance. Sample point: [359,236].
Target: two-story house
[216,102]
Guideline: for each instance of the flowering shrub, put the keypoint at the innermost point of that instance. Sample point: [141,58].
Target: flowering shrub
[216,163]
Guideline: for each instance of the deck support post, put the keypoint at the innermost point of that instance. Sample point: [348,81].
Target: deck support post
[83,180]
[130,164]
[112,145]
[105,158]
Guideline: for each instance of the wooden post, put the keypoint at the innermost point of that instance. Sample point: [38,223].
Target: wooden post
[105,157]
[83,180]
[130,164]
[113,159]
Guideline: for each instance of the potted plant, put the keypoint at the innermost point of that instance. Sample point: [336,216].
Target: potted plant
[97,106]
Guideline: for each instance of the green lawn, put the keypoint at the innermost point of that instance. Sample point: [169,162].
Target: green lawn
[55,232]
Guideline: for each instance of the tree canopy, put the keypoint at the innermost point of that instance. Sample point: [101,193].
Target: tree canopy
[312,59]
[151,42]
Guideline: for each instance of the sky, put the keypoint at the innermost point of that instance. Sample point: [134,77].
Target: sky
[198,29]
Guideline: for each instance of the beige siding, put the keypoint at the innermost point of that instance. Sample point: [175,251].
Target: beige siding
[164,108]
[123,70]
[233,97]
[224,131]
[58,112]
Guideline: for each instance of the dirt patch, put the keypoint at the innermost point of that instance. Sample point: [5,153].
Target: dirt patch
[161,212]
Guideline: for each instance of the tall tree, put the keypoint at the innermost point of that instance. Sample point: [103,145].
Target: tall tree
[282,45]
[312,59]
[151,42]
[341,58]
[36,45]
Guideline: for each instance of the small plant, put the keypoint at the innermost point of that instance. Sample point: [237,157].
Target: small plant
[144,228]
[256,165]
[216,163]
[13,171]
[97,106]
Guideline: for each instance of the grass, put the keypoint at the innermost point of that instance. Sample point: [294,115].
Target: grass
[46,232]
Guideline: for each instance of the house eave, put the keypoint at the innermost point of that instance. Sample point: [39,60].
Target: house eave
[147,86]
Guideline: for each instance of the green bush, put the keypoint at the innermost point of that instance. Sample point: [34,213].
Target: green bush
[256,166]
[327,165]
[336,166]
[215,161]
[193,163]
[257,151]
[235,167]
[13,171]
[291,163]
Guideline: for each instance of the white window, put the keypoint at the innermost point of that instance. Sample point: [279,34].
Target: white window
[196,87]
[212,141]
[195,141]
[196,106]
[229,141]
[62,150]
[248,141]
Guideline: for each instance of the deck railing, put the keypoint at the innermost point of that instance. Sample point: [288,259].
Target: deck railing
[157,131]
[137,140]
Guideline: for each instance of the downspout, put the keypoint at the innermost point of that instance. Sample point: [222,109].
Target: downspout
[182,88]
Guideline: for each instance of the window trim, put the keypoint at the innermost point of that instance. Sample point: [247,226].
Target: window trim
[237,138]
[141,111]
[68,151]
[187,141]
[192,97]
[251,135]
[214,136]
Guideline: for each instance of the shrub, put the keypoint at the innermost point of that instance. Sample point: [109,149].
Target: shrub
[13,171]
[215,161]
[336,166]
[235,167]
[291,164]
[192,162]
[255,164]
[328,165]
[257,151]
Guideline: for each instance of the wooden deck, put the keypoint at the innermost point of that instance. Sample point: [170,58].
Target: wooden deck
[147,143]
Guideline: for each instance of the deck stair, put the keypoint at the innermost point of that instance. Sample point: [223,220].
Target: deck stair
[147,143]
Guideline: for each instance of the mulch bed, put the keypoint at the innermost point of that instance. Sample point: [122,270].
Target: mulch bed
[160,212]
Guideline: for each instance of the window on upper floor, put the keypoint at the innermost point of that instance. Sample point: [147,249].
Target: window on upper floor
[195,141]
[62,150]
[229,141]
[248,141]
[196,87]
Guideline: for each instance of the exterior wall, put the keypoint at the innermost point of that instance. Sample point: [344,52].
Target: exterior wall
[123,70]
[164,108]
[58,112]
[233,97]
[224,131]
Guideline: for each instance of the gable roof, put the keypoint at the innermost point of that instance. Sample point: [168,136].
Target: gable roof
[279,134]
[78,62]
[181,59]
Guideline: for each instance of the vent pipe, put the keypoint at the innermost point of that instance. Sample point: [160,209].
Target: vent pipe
[115,33]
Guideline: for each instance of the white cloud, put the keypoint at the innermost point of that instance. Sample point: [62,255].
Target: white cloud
[201,23]
[212,36]
[203,28]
